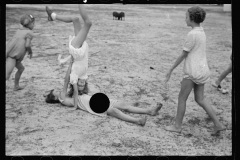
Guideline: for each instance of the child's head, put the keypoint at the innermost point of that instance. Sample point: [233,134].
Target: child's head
[51,98]
[195,14]
[27,21]
[82,85]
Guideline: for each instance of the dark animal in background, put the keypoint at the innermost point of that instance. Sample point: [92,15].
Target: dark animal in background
[122,15]
[118,15]
[115,15]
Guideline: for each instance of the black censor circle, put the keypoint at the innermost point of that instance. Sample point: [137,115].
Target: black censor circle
[99,103]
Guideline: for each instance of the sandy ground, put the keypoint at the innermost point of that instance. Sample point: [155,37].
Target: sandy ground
[121,54]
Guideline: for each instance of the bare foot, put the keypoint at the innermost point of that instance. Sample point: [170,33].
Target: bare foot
[173,128]
[217,130]
[142,121]
[154,111]
[16,88]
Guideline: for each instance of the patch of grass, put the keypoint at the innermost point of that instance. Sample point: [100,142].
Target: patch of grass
[208,119]
[112,81]
[134,143]
[141,91]
[194,121]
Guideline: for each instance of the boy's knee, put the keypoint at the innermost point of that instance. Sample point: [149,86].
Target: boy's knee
[112,111]
[121,104]
[199,101]
[75,19]
[89,23]
[7,76]
[182,98]
[21,69]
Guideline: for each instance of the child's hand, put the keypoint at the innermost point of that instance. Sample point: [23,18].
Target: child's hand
[30,56]
[72,59]
[167,77]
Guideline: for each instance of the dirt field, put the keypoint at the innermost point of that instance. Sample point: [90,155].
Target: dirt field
[121,54]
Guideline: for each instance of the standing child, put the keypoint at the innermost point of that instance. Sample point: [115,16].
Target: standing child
[196,71]
[17,47]
[78,47]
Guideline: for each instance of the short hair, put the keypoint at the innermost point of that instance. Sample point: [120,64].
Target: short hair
[50,98]
[26,20]
[197,14]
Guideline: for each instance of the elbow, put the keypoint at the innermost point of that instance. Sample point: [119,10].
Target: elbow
[88,23]
[75,92]
[184,54]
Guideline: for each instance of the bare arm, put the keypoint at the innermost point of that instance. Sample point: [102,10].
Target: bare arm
[177,62]
[29,37]
[75,95]
[66,79]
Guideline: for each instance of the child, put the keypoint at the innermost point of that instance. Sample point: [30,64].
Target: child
[78,47]
[65,98]
[196,71]
[224,74]
[17,47]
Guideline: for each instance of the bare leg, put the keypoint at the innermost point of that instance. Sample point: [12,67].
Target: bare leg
[120,115]
[10,64]
[69,19]
[82,34]
[224,75]
[199,98]
[186,88]
[18,74]
[128,108]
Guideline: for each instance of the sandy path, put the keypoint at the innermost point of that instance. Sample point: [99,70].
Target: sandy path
[121,54]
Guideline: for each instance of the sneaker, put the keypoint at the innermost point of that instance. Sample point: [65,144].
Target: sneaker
[49,12]
[217,86]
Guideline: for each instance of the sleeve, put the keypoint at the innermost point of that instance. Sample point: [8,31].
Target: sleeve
[29,35]
[189,43]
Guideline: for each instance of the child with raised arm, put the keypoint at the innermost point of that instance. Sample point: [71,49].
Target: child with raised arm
[17,48]
[196,71]
[78,47]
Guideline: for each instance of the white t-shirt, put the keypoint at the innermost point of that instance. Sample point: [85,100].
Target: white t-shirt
[195,64]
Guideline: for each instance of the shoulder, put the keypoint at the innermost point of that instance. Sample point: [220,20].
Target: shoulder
[191,33]
[29,34]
